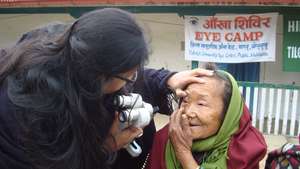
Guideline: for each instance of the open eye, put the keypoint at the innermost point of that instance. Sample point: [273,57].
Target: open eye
[193,21]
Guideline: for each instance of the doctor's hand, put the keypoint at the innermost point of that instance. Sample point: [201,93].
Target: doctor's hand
[178,81]
[118,138]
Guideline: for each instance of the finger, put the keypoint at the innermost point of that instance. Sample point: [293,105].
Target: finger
[178,116]
[202,72]
[187,130]
[116,118]
[195,80]
[134,131]
[116,124]
[172,117]
[137,132]
[129,134]
[125,137]
[185,122]
[173,125]
[180,93]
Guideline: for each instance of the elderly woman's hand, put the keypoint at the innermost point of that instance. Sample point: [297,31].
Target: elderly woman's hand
[180,80]
[179,132]
[119,138]
[181,138]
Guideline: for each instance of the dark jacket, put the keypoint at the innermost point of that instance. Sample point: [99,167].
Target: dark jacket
[151,84]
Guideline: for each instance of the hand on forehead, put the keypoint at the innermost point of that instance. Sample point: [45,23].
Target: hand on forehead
[211,90]
[207,82]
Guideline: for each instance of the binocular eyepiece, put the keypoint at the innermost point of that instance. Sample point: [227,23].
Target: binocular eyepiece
[137,113]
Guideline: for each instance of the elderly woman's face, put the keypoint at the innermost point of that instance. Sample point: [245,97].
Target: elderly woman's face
[203,105]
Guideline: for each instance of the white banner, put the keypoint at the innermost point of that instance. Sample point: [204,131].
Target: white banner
[232,38]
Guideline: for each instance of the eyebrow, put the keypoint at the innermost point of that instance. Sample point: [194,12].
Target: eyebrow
[200,95]
[203,96]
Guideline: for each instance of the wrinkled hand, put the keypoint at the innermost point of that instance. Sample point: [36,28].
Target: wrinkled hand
[180,80]
[118,138]
[181,138]
[179,132]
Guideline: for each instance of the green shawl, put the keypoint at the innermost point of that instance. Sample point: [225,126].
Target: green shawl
[215,147]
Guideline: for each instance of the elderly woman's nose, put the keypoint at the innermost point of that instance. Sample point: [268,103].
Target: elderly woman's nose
[190,110]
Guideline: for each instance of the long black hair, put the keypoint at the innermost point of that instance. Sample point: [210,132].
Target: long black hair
[58,93]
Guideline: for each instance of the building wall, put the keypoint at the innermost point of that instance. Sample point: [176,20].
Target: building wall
[166,32]
[46,3]
[271,72]
[14,25]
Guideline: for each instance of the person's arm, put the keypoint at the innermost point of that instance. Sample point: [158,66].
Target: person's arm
[181,139]
[187,160]
[155,85]
[152,85]
[178,81]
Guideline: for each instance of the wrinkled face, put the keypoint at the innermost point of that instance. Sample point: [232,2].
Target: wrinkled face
[203,105]
[116,83]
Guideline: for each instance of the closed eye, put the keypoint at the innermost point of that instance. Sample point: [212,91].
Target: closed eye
[202,103]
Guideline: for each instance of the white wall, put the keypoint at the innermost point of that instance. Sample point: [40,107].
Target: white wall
[12,26]
[167,33]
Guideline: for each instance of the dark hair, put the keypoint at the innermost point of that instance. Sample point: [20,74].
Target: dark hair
[57,87]
[47,32]
[15,58]
[223,79]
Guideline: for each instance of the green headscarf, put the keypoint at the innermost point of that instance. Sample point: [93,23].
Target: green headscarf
[216,146]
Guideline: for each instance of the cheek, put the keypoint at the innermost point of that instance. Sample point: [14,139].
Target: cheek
[205,131]
[203,114]
[210,124]
[215,125]
[215,120]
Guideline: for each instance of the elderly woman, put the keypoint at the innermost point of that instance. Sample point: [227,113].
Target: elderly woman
[212,129]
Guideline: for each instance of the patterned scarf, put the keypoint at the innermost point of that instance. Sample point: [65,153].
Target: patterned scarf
[286,157]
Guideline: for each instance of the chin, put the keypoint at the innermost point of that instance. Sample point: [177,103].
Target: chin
[197,133]
[197,129]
